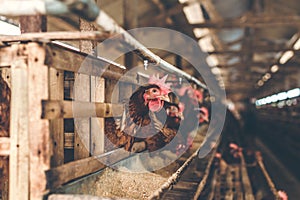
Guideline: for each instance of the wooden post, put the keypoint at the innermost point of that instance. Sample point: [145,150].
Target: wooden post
[56,92]
[97,124]
[19,148]
[39,134]
[30,137]
[82,125]
[91,135]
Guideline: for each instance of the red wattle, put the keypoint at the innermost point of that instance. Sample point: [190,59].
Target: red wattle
[155,105]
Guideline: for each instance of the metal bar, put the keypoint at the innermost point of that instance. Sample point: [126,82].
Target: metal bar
[87,9]
[261,165]
[205,176]
[76,50]
[174,178]
[106,22]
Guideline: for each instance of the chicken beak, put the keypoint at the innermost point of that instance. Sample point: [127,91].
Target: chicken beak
[165,98]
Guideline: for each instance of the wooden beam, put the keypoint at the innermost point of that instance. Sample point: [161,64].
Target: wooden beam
[55,109]
[253,50]
[35,23]
[4,146]
[68,59]
[254,22]
[19,171]
[38,129]
[62,35]
[76,169]
[56,92]
[160,20]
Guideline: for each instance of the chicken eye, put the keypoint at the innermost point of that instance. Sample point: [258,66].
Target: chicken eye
[154,90]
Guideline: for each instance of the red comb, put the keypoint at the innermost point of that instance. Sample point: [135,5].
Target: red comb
[161,83]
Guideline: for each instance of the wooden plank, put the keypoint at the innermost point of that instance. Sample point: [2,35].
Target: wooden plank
[4,146]
[69,109]
[35,23]
[82,89]
[69,140]
[39,134]
[82,125]
[78,197]
[68,59]
[6,56]
[60,35]
[76,169]
[6,75]
[19,154]
[97,124]
[56,92]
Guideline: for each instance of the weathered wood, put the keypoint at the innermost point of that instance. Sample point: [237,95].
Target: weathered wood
[62,35]
[4,146]
[6,56]
[35,23]
[78,197]
[254,22]
[82,124]
[56,87]
[6,75]
[69,140]
[19,151]
[39,134]
[70,109]
[68,59]
[76,169]
[160,20]
[97,124]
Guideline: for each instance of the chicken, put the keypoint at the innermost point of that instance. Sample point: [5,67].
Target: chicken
[148,119]
[190,100]
[170,128]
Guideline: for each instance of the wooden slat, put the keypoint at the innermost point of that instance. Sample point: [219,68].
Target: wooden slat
[4,146]
[97,124]
[6,56]
[68,59]
[39,134]
[19,154]
[76,169]
[82,124]
[70,109]
[78,197]
[69,140]
[62,35]
[56,92]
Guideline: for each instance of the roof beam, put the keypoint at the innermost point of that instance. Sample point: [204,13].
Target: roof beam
[255,22]
[161,19]
[253,50]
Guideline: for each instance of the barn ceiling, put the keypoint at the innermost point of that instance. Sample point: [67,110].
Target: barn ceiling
[252,44]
